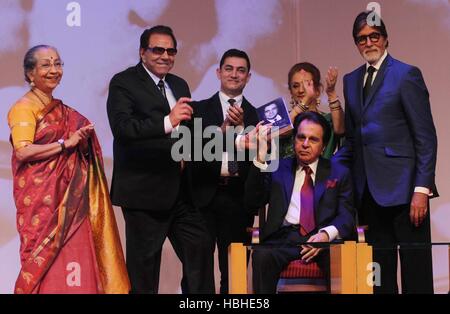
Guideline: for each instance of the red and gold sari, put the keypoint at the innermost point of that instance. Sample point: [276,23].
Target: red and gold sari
[68,233]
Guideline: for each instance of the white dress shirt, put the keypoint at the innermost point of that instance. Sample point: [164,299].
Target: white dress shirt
[376,66]
[277,118]
[225,105]
[293,213]
[168,128]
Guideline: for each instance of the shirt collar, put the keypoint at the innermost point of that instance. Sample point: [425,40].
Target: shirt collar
[312,165]
[154,77]
[277,118]
[224,98]
[378,64]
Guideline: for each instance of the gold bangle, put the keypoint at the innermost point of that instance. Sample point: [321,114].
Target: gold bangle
[297,111]
[330,102]
[337,108]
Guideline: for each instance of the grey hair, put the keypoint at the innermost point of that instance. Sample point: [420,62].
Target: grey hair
[29,61]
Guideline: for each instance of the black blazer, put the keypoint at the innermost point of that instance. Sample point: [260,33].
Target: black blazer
[205,175]
[144,175]
[333,196]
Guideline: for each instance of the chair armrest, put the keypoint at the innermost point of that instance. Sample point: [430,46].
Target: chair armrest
[254,232]
[362,233]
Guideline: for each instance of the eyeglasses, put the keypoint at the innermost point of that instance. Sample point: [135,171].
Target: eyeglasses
[362,40]
[47,65]
[160,50]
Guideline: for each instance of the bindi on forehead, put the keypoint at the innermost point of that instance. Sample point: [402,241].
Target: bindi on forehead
[48,59]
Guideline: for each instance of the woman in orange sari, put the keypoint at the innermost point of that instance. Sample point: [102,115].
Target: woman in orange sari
[68,233]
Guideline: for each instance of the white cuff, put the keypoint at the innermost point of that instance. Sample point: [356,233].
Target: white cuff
[239,129]
[332,232]
[168,128]
[423,190]
[239,145]
[259,165]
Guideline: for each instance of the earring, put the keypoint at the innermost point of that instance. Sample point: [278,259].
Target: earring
[318,102]
[32,84]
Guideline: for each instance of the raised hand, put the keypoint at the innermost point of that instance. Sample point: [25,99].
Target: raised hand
[331,80]
[235,115]
[81,135]
[182,111]
[250,140]
[263,138]
[310,94]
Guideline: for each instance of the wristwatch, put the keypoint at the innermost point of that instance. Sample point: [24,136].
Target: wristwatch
[61,142]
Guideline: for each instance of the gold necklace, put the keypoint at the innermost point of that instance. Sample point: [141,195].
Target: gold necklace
[40,99]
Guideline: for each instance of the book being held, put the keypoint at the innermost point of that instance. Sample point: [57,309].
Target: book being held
[276,113]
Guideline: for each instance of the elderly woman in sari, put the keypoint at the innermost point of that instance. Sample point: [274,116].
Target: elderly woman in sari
[68,233]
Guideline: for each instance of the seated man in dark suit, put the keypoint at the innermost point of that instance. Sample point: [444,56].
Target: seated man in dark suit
[310,200]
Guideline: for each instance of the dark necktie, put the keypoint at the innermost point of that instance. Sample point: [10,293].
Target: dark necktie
[370,70]
[307,221]
[232,164]
[231,101]
[162,88]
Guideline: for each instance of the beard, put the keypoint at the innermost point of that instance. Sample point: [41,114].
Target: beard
[372,56]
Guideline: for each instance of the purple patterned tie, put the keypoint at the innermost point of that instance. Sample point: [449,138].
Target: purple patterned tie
[307,221]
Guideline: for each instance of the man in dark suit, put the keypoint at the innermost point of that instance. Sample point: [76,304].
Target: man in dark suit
[391,148]
[145,104]
[218,185]
[310,200]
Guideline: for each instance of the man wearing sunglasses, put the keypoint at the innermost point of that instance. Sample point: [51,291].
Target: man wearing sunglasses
[391,148]
[145,104]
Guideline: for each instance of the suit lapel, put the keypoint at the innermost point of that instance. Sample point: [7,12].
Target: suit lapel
[148,82]
[378,80]
[323,172]
[215,110]
[151,87]
[289,169]
[173,86]
[360,87]
[246,107]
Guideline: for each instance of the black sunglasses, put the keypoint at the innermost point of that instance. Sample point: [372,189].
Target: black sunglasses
[160,50]
[362,40]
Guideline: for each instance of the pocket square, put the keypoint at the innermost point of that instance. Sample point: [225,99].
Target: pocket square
[331,183]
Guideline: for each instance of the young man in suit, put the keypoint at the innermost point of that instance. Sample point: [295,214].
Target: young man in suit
[310,200]
[218,185]
[145,104]
[391,149]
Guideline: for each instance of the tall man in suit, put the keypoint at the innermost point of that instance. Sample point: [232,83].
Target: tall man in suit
[145,104]
[310,200]
[391,148]
[217,186]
